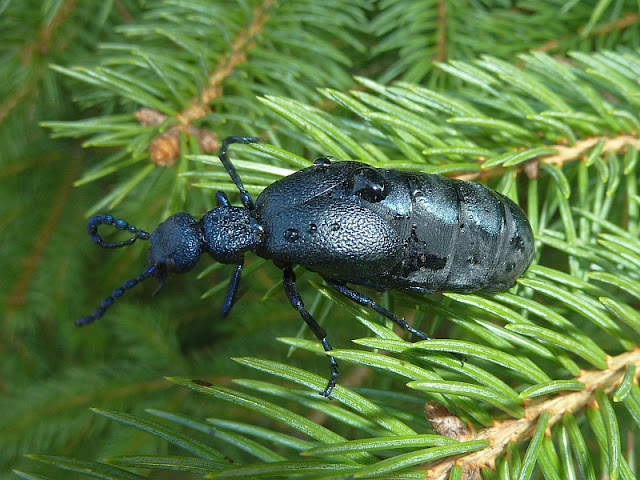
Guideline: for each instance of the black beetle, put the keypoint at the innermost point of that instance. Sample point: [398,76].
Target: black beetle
[350,223]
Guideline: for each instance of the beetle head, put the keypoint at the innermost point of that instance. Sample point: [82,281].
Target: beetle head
[176,245]
[229,232]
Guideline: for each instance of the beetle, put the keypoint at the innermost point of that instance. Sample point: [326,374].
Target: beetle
[352,224]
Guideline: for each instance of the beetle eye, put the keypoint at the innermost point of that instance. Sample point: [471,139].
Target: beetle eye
[368,184]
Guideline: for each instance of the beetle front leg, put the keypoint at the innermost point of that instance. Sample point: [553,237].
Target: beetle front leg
[246,199]
[232,290]
[367,302]
[289,280]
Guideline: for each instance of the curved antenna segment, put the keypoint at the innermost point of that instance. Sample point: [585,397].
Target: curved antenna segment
[118,224]
[118,292]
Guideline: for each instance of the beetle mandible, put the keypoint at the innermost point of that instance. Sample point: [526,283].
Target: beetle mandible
[352,224]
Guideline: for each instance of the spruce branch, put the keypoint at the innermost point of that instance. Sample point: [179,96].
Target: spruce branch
[564,154]
[198,113]
[441,44]
[43,42]
[18,296]
[15,99]
[176,76]
[237,54]
[164,148]
[518,430]
[29,54]
[616,25]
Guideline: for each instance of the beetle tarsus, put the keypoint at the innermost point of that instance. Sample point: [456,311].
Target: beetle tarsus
[334,371]
[367,302]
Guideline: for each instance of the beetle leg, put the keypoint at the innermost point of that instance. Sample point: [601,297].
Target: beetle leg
[244,195]
[289,280]
[367,302]
[230,299]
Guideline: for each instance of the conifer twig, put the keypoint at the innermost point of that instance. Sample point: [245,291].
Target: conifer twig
[41,47]
[517,430]
[18,295]
[618,24]
[441,44]
[565,154]
[165,148]
[244,41]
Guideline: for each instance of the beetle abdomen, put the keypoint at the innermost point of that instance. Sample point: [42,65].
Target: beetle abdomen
[463,237]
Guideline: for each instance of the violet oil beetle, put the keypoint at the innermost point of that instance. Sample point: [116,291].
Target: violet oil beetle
[352,224]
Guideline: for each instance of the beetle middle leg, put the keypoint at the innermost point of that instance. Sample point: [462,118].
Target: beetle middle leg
[367,302]
[289,280]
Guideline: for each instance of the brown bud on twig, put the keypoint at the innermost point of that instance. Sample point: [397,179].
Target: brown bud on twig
[448,425]
[164,149]
[148,117]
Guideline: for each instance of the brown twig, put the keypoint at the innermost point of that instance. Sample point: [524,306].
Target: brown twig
[501,433]
[618,24]
[200,107]
[47,32]
[164,148]
[564,154]
[441,43]
[18,295]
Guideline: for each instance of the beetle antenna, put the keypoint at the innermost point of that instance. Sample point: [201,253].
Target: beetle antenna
[118,292]
[223,201]
[95,222]
[244,195]
[118,224]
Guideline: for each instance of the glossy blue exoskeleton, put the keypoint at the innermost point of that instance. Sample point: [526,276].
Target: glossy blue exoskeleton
[351,223]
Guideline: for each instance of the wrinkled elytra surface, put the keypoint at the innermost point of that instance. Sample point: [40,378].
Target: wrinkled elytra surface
[350,223]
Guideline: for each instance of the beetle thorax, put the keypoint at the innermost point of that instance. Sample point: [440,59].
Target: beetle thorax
[229,232]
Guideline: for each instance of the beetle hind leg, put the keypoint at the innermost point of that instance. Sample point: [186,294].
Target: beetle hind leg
[289,280]
[367,302]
